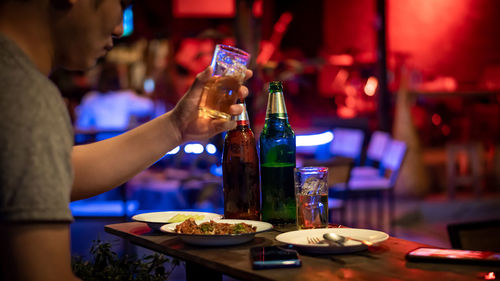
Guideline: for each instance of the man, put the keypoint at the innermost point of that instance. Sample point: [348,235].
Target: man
[40,171]
[109,108]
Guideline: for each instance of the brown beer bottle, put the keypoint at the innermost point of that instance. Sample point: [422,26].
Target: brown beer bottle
[240,171]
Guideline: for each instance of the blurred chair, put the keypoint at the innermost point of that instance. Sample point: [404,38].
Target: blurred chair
[479,236]
[336,211]
[347,143]
[338,172]
[464,167]
[374,154]
[378,186]
[344,151]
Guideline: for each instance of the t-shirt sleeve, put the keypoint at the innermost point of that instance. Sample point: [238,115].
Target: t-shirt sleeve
[35,157]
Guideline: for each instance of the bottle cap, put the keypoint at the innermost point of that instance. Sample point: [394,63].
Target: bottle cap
[243,116]
[276,101]
[275,86]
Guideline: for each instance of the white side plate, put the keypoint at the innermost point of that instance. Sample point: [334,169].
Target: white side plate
[299,239]
[156,219]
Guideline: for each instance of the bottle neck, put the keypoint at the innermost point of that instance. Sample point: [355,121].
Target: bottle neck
[242,123]
[276,107]
[242,118]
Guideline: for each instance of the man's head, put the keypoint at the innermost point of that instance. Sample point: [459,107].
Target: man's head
[82,30]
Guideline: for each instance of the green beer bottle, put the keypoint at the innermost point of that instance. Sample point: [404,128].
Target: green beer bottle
[277,161]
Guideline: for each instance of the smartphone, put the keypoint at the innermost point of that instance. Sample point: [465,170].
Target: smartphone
[454,256]
[274,257]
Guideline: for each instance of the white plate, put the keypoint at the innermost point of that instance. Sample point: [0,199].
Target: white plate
[219,240]
[299,239]
[156,219]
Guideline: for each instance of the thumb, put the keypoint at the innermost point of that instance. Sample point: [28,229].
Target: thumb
[200,81]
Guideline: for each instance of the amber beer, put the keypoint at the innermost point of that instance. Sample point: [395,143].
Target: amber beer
[240,172]
[221,91]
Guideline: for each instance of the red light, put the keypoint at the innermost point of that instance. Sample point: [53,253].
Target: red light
[346,112]
[201,8]
[340,78]
[283,22]
[419,29]
[350,90]
[341,60]
[371,86]
[286,17]
[450,84]
[436,119]
[446,130]
[266,51]
[257,9]
[490,276]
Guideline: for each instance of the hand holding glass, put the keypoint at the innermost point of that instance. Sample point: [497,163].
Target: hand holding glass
[311,195]
[221,91]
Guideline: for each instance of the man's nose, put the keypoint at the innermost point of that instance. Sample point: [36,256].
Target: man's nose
[118,30]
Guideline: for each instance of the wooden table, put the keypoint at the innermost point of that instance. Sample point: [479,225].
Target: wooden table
[384,262]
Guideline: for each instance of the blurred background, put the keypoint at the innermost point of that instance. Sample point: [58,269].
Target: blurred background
[425,72]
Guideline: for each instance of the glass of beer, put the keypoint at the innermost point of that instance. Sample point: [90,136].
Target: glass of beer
[311,195]
[221,91]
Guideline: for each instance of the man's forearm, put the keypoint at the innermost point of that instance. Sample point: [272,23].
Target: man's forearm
[104,165]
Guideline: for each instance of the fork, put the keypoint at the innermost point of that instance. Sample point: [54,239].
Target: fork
[316,240]
[313,240]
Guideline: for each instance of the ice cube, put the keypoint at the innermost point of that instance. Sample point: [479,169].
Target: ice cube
[236,69]
[311,186]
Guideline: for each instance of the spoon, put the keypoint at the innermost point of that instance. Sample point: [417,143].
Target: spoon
[340,240]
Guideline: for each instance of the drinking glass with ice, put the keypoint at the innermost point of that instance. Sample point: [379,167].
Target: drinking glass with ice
[311,195]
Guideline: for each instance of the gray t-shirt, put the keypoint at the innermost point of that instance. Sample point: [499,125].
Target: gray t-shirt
[35,142]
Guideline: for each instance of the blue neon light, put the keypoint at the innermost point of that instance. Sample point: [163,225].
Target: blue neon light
[314,140]
[128,21]
[216,170]
[194,148]
[149,85]
[211,149]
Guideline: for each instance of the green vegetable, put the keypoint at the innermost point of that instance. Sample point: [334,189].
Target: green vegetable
[239,228]
[206,227]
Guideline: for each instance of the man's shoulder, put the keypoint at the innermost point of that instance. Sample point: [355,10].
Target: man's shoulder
[17,72]
[27,96]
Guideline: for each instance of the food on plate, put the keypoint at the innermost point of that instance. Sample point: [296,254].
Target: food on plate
[189,226]
[183,217]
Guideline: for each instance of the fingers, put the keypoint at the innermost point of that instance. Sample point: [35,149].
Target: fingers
[220,126]
[235,109]
[243,92]
[204,75]
[248,74]
[200,80]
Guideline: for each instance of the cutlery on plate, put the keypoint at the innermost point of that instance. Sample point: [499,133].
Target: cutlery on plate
[316,240]
[339,239]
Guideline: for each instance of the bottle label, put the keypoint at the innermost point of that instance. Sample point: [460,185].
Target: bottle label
[276,106]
